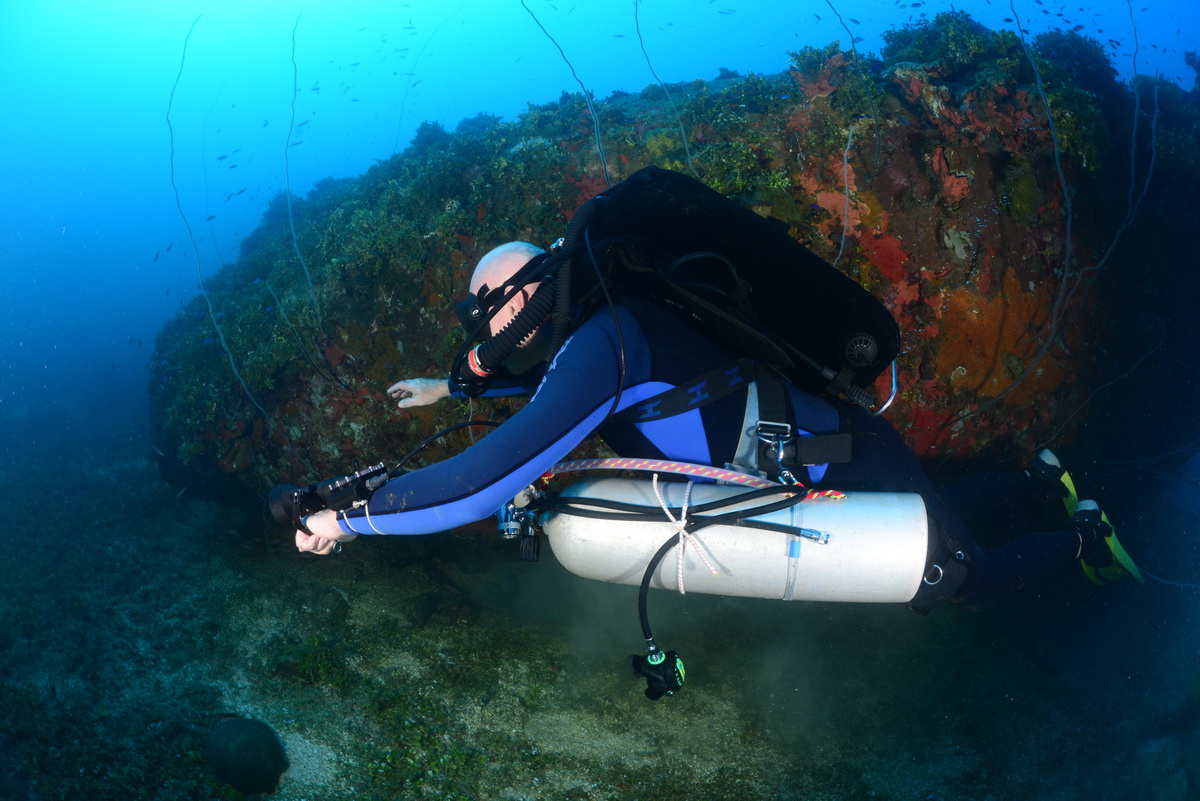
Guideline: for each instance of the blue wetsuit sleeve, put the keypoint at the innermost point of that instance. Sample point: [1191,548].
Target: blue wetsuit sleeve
[572,401]
[524,384]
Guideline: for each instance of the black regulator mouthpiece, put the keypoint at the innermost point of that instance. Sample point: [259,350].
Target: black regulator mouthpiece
[662,670]
[289,504]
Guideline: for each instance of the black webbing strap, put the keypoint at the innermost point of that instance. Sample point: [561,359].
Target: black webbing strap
[772,425]
[712,386]
[773,430]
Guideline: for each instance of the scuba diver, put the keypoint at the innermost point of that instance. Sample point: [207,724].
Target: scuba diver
[626,368]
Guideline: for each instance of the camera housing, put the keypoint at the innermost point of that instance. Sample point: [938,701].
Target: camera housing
[289,504]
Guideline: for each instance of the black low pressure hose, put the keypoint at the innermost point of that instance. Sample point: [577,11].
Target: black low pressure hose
[623,511]
[644,591]
[692,528]
[562,309]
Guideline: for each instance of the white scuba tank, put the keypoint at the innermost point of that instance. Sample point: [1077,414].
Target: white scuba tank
[869,546]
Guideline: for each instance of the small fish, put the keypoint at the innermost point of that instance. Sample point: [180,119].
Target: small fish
[266,123]
[856,22]
[168,250]
[858,39]
[298,142]
[233,166]
[210,218]
[168,292]
[355,64]
[301,125]
[156,254]
[222,158]
[139,343]
[228,197]
[240,191]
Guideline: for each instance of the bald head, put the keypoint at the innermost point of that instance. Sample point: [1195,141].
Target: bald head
[502,263]
[498,266]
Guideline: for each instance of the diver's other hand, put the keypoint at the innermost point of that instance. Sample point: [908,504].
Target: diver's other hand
[419,391]
[326,533]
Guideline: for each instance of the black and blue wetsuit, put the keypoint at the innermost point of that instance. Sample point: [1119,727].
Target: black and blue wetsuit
[573,399]
[662,350]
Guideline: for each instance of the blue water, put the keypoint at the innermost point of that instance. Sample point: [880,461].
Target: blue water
[95,257]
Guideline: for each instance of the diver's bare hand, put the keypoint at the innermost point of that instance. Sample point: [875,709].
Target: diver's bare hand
[412,392]
[326,533]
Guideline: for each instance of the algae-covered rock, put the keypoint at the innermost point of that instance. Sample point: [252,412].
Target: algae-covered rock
[246,755]
[932,176]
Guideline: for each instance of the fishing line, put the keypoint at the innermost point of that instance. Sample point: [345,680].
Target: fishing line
[1137,101]
[287,178]
[300,340]
[204,169]
[1183,584]
[587,96]
[846,189]
[868,82]
[199,271]
[411,75]
[1067,289]
[291,226]
[682,133]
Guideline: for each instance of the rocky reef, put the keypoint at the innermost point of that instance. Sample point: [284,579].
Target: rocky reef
[1027,263]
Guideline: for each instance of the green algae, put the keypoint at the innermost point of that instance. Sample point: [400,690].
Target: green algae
[391,250]
[954,44]
[1021,196]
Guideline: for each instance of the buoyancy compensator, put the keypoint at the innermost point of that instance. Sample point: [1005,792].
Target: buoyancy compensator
[738,276]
